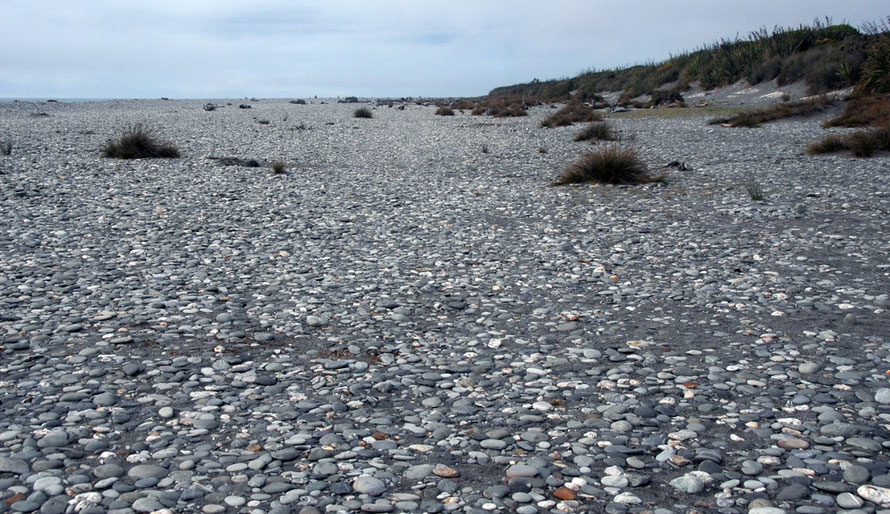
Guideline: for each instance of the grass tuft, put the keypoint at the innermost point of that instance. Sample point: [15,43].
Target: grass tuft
[864,112]
[596,132]
[6,147]
[828,144]
[754,191]
[754,117]
[862,143]
[138,142]
[362,112]
[445,111]
[612,165]
[572,112]
[279,167]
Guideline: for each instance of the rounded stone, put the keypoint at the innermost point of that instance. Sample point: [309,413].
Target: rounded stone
[147,471]
[882,395]
[521,470]
[369,485]
[147,504]
[688,484]
[849,501]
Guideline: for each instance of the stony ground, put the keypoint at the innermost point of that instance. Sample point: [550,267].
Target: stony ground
[411,320]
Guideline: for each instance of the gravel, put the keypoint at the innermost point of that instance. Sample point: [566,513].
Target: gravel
[405,323]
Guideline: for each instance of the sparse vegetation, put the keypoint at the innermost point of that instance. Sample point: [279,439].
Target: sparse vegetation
[279,167]
[139,142]
[666,96]
[862,143]
[864,112]
[612,165]
[754,117]
[572,112]
[824,55]
[362,112]
[445,111]
[6,147]
[596,132]
[484,148]
[236,161]
[754,191]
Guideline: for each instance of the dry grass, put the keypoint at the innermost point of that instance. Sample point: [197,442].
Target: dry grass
[862,143]
[828,144]
[612,165]
[572,112]
[138,142]
[596,132]
[754,117]
[864,112]
[444,111]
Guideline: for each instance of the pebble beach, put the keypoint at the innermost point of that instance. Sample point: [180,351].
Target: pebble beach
[410,319]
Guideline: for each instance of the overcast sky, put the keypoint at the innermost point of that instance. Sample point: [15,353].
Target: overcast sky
[291,49]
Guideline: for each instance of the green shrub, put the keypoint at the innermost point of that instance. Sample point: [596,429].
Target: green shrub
[138,142]
[279,167]
[445,111]
[876,69]
[362,112]
[612,165]
[596,132]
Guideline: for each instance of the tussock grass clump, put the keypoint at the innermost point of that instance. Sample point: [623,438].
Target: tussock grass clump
[862,143]
[138,142]
[362,112]
[864,112]
[828,144]
[572,112]
[612,165]
[596,132]
[444,111]
[754,191]
[279,167]
[754,117]
[506,109]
